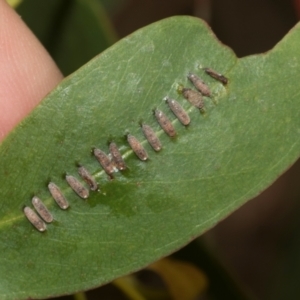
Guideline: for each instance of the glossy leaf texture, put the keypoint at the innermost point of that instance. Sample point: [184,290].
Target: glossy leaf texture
[248,136]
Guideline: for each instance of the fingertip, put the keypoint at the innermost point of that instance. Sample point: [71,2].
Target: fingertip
[27,72]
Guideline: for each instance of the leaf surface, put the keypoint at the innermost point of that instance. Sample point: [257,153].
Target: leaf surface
[248,136]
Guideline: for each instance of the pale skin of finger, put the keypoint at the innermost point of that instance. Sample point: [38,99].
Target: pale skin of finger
[27,72]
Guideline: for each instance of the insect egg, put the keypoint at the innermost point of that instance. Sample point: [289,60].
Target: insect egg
[216,75]
[88,178]
[193,97]
[199,84]
[104,161]
[34,219]
[178,111]
[137,147]
[77,187]
[165,123]
[151,137]
[117,157]
[42,209]
[58,196]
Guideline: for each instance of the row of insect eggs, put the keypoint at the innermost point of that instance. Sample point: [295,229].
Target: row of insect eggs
[114,161]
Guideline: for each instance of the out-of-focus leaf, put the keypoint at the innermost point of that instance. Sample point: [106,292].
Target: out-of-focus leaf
[127,285]
[14,3]
[183,280]
[73,31]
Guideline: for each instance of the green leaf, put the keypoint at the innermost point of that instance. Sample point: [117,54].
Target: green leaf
[248,136]
[65,26]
